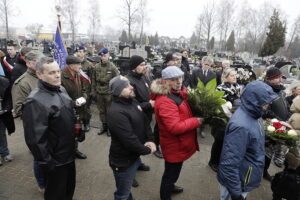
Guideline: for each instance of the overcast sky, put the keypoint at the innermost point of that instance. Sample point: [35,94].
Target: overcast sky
[172,18]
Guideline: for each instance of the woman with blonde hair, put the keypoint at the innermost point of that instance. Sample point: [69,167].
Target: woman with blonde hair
[232,94]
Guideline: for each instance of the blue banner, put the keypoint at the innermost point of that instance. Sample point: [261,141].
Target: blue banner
[1,70]
[60,53]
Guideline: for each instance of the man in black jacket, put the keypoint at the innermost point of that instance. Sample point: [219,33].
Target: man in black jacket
[48,120]
[20,66]
[130,136]
[278,109]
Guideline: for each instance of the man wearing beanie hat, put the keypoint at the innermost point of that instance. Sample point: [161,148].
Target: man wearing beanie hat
[104,71]
[286,184]
[130,136]
[278,109]
[177,127]
[71,81]
[88,69]
[141,85]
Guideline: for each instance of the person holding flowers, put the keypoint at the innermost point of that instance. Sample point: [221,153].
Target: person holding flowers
[278,109]
[232,95]
[177,127]
[242,158]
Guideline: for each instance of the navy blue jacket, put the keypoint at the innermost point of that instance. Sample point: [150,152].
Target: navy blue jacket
[243,154]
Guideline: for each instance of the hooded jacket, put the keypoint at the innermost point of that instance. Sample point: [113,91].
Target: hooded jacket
[295,118]
[177,126]
[243,154]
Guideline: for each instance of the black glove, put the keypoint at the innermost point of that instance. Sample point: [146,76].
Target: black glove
[238,198]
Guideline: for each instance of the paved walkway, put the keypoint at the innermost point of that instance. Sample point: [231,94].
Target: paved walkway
[95,179]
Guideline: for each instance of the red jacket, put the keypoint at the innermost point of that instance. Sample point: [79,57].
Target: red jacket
[177,126]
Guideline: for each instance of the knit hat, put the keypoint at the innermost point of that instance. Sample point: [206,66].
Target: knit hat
[272,73]
[293,158]
[103,51]
[117,84]
[135,61]
[73,60]
[171,72]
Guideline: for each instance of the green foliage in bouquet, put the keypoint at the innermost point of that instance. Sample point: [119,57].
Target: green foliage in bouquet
[206,102]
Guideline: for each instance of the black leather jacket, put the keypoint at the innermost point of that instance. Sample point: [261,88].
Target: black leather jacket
[48,119]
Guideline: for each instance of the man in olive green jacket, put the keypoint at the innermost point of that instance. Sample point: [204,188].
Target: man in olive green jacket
[26,82]
[104,72]
[88,69]
[71,81]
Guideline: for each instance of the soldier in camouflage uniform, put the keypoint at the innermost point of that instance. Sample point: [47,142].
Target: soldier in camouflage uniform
[88,69]
[104,72]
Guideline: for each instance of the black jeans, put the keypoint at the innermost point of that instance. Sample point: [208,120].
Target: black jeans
[216,148]
[60,182]
[169,178]
[156,134]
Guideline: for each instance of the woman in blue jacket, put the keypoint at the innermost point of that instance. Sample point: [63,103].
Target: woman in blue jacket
[243,154]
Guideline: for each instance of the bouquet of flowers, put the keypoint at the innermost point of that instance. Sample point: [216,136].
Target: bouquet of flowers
[281,133]
[243,75]
[207,103]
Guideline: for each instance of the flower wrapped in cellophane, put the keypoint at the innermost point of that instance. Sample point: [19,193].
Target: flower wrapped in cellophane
[207,103]
[281,133]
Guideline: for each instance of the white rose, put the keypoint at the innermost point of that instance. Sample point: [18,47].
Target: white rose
[229,105]
[274,120]
[292,133]
[271,128]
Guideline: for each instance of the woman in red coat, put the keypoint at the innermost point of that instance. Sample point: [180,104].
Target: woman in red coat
[177,127]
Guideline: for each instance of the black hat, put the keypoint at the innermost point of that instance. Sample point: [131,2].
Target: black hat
[73,60]
[117,84]
[272,73]
[135,61]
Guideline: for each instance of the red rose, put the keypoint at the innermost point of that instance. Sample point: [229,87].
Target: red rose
[280,131]
[277,125]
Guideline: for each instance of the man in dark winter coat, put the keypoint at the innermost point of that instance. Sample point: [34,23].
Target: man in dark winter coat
[20,66]
[242,158]
[204,73]
[130,136]
[48,119]
[9,60]
[279,109]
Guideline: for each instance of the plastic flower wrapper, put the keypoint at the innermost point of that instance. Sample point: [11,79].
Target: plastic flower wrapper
[281,133]
[207,103]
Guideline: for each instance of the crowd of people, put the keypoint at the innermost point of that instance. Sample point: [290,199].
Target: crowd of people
[55,107]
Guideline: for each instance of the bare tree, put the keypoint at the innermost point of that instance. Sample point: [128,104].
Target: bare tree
[209,20]
[142,17]
[294,31]
[94,19]
[225,19]
[69,9]
[199,29]
[128,14]
[5,10]
[34,29]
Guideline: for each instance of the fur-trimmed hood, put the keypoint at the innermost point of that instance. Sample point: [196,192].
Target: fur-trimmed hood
[158,88]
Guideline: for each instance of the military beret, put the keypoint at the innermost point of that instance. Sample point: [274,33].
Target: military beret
[51,47]
[103,51]
[80,47]
[73,60]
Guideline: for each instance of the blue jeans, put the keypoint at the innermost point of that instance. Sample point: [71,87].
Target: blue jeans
[3,140]
[225,194]
[124,181]
[38,174]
